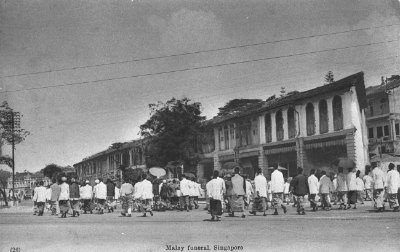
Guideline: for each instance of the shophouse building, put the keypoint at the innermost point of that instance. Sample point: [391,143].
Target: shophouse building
[310,129]
[107,163]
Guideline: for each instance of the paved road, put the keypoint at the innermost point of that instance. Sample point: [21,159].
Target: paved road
[351,230]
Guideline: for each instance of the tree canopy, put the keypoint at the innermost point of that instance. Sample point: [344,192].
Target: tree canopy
[51,170]
[171,130]
[7,133]
[237,105]
[4,175]
[329,78]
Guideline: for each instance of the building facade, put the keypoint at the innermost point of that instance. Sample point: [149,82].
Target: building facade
[107,164]
[383,117]
[309,129]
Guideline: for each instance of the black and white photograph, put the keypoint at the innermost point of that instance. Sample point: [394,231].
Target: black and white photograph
[199,125]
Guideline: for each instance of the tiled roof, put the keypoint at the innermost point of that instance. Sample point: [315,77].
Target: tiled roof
[379,89]
[356,80]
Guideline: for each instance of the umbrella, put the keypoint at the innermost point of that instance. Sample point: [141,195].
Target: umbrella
[345,163]
[157,171]
[189,175]
[229,165]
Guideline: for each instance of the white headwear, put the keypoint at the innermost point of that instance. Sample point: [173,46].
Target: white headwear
[97,181]
[87,181]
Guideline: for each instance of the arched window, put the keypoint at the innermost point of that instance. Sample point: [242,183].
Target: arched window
[226,135]
[291,123]
[310,119]
[268,128]
[337,113]
[279,125]
[323,116]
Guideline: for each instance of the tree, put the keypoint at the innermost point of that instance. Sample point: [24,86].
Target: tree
[171,131]
[4,175]
[237,105]
[329,78]
[51,170]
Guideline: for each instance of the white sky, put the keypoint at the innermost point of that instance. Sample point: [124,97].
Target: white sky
[71,122]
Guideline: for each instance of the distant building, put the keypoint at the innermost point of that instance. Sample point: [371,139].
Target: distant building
[107,163]
[310,129]
[26,181]
[383,117]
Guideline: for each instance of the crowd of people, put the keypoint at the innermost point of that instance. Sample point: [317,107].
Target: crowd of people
[229,193]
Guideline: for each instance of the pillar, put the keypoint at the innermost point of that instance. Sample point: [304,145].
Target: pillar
[316,116]
[301,154]
[351,146]
[330,114]
[261,129]
[273,127]
[285,125]
[217,165]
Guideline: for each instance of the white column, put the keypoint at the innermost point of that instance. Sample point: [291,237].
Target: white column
[330,114]
[273,127]
[285,125]
[316,116]
[261,128]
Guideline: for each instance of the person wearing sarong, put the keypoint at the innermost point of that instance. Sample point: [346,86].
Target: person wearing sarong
[260,195]
[351,180]
[35,208]
[393,184]
[249,192]
[196,191]
[110,195]
[136,195]
[100,194]
[360,187]
[228,195]
[342,189]
[215,192]
[325,188]
[238,192]
[368,181]
[74,197]
[126,195]
[299,187]
[185,192]
[379,186]
[40,198]
[313,186]
[277,183]
[146,195]
[86,193]
[64,198]
[55,194]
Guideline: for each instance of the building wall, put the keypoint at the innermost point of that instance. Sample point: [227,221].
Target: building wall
[394,100]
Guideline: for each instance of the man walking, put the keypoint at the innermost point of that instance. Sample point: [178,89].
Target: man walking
[64,198]
[368,181]
[300,188]
[40,197]
[325,188]
[215,192]
[351,180]
[277,183]
[393,184]
[146,195]
[86,196]
[238,193]
[74,197]
[360,187]
[185,192]
[379,185]
[100,194]
[260,195]
[126,197]
[341,189]
[313,186]
[55,194]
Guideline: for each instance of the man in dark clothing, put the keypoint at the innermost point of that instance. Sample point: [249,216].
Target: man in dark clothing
[110,195]
[300,188]
[74,196]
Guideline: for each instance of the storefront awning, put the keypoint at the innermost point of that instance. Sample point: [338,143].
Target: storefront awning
[280,149]
[321,144]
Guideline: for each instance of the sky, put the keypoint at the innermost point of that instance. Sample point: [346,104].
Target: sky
[82,73]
